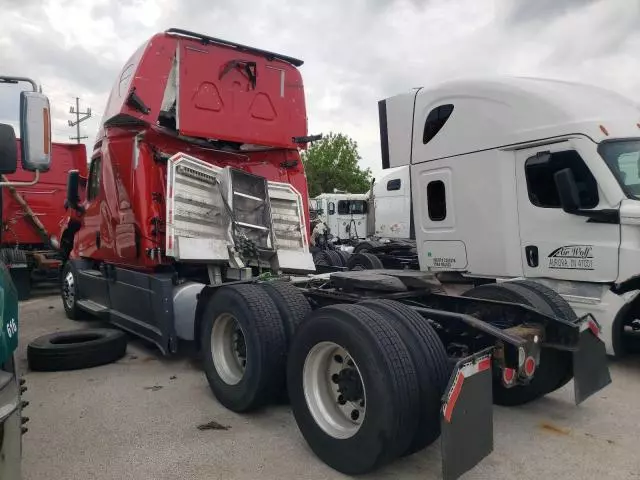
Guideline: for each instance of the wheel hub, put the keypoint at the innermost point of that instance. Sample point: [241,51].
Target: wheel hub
[228,349]
[349,384]
[334,390]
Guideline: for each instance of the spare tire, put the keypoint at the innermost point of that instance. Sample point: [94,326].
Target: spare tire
[364,261]
[76,349]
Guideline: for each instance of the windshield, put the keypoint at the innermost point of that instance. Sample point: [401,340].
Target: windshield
[623,158]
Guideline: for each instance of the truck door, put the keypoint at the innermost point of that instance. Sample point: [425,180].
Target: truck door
[556,244]
[89,235]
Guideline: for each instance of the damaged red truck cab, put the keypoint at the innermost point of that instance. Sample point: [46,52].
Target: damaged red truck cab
[179,92]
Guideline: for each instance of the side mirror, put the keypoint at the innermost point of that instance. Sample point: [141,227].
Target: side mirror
[8,149]
[73,198]
[567,190]
[35,126]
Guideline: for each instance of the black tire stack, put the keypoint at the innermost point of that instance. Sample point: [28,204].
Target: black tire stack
[401,360]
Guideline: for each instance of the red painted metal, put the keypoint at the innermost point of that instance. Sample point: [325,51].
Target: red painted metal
[46,198]
[126,218]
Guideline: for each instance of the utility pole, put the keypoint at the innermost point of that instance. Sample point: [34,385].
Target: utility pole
[79,119]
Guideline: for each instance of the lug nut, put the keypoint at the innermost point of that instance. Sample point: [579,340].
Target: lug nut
[335,378]
[341,400]
[338,358]
[355,415]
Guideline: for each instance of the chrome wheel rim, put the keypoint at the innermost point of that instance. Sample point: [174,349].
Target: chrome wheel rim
[334,390]
[228,349]
[68,290]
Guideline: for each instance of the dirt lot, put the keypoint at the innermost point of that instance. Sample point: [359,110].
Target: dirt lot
[138,419]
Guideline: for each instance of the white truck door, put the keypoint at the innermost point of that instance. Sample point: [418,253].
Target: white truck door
[556,244]
[393,205]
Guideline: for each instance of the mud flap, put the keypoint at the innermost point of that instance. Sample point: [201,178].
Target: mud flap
[590,366]
[466,415]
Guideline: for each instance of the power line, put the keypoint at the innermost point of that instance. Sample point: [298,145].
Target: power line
[79,120]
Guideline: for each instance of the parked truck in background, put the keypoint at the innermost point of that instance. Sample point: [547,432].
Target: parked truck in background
[35,157]
[194,228]
[32,212]
[525,178]
[32,215]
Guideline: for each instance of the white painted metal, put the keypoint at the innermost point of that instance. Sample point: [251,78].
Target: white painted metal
[392,207]
[199,225]
[480,154]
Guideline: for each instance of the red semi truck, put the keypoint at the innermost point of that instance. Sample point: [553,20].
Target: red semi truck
[32,215]
[196,199]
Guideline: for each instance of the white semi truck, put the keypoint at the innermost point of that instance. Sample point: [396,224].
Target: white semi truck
[525,178]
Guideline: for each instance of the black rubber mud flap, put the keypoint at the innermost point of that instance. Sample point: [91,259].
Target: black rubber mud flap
[466,415]
[590,366]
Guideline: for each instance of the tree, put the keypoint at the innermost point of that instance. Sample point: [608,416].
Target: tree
[333,163]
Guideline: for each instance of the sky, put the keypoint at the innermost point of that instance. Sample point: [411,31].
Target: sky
[356,52]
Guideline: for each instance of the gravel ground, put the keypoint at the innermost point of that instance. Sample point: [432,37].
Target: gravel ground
[138,419]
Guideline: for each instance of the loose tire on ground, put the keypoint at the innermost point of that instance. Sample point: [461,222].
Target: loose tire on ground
[389,388]
[552,367]
[292,305]
[76,349]
[364,261]
[244,358]
[430,359]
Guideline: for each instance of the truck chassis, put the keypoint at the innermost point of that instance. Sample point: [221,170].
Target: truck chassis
[345,344]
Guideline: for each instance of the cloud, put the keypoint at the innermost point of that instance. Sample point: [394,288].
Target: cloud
[355,52]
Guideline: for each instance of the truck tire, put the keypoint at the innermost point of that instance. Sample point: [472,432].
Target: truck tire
[69,292]
[345,257]
[357,349]
[552,367]
[322,259]
[243,344]
[76,349]
[561,309]
[364,247]
[292,305]
[364,261]
[431,362]
[336,259]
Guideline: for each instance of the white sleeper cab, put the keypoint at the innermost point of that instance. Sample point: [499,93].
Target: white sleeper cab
[526,178]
